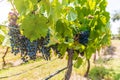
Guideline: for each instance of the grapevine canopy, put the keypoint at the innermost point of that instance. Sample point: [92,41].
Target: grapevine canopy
[65,19]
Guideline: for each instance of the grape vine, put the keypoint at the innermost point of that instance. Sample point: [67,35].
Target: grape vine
[77,26]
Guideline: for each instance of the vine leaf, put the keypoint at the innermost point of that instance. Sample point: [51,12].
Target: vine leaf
[34,26]
[21,6]
[72,15]
[75,55]
[62,29]
[92,4]
[62,48]
[78,62]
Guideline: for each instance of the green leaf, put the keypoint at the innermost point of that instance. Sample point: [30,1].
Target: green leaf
[65,2]
[81,2]
[75,55]
[107,15]
[34,26]
[79,47]
[34,1]
[60,27]
[6,41]
[91,48]
[4,38]
[103,5]
[55,10]
[1,39]
[63,29]
[72,15]
[91,4]
[45,7]
[85,11]
[78,62]
[2,33]
[21,6]
[103,20]
[4,29]
[79,13]
[62,48]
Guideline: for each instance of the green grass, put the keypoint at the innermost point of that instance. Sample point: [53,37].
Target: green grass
[39,69]
[33,70]
[31,73]
[115,65]
[45,68]
[112,67]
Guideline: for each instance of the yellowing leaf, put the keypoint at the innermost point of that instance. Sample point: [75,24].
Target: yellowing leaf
[103,19]
[92,4]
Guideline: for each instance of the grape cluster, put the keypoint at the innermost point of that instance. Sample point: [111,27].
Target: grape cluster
[55,49]
[21,44]
[14,40]
[45,52]
[83,37]
[14,32]
[42,46]
[28,48]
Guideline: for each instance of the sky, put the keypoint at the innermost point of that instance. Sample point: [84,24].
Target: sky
[5,8]
[113,5]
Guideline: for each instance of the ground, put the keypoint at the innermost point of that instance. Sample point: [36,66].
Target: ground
[40,69]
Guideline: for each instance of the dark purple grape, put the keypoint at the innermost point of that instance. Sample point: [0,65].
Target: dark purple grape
[83,37]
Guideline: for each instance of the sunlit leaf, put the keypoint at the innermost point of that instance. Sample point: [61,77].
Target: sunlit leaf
[34,26]
[78,62]
[72,15]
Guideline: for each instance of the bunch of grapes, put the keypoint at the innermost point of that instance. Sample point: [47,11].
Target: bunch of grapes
[83,37]
[55,49]
[42,46]
[14,40]
[21,44]
[28,48]
[32,49]
[14,32]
